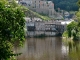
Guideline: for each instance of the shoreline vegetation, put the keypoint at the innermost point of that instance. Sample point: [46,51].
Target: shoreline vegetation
[71,38]
[73,48]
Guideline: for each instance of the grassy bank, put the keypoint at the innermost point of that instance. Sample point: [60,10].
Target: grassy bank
[32,14]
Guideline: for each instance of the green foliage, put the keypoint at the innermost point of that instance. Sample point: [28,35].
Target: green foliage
[42,16]
[73,29]
[65,34]
[33,14]
[78,3]
[5,50]
[11,27]
[74,52]
[78,17]
[69,5]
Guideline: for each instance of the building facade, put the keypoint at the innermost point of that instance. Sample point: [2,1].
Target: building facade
[47,28]
[40,6]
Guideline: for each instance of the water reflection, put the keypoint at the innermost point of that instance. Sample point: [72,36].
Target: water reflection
[50,48]
[74,50]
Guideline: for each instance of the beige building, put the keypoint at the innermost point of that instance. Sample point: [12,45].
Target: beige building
[40,6]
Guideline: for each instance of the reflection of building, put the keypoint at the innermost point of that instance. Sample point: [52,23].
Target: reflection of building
[40,6]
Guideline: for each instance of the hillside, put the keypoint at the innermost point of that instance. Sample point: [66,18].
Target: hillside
[69,5]
[32,14]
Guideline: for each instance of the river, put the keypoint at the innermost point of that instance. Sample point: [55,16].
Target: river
[49,48]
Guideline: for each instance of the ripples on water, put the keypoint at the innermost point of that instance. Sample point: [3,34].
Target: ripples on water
[50,48]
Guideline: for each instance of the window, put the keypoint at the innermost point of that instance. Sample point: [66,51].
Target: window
[43,4]
[39,5]
[29,5]
[51,12]
[35,1]
[35,5]
[47,5]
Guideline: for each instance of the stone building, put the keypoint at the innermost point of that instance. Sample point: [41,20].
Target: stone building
[40,6]
[47,28]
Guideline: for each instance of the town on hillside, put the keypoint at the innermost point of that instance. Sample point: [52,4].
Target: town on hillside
[36,26]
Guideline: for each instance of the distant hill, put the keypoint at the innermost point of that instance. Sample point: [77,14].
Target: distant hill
[69,5]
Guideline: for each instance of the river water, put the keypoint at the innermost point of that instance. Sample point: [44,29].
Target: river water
[49,48]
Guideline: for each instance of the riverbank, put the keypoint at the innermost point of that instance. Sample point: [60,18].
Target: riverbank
[67,40]
[43,36]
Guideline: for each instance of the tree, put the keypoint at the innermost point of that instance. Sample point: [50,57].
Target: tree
[11,27]
[62,4]
[73,28]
